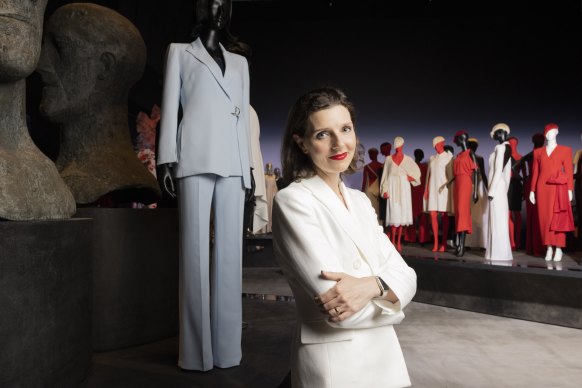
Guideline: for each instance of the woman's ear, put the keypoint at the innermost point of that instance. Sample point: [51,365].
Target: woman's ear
[300,143]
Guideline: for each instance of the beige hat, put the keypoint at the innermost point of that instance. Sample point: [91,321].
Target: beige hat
[502,126]
[473,140]
[437,140]
[398,141]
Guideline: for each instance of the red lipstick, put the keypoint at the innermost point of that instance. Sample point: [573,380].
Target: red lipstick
[339,156]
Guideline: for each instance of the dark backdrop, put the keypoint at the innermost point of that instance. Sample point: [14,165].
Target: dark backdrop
[414,68]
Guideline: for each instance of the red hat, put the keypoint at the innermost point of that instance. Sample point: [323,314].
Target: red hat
[459,133]
[549,127]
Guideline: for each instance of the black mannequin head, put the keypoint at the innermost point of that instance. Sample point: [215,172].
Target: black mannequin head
[213,14]
[538,140]
[500,135]
[460,139]
[473,144]
[449,148]
[373,154]
[385,148]
[418,155]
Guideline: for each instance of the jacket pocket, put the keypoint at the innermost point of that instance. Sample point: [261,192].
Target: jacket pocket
[317,332]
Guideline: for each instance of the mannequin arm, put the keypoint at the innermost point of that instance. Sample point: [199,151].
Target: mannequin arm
[165,179]
[475,178]
[532,197]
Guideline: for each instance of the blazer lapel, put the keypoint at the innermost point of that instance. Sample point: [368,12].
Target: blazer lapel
[349,223]
[198,50]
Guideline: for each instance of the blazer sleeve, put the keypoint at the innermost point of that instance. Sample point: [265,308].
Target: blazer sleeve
[384,180]
[168,141]
[301,249]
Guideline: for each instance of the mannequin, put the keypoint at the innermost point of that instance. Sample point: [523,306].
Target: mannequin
[86,87]
[271,188]
[533,240]
[515,195]
[479,209]
[260,212]
[465,176]
[371,179]
[419,217]
[30,188]
[208,155]
[399,173]
[551,187]
[498,242]
[437,201]
[385,149]
[578,190]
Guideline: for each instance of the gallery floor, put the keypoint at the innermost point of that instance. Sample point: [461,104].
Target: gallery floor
[443,347]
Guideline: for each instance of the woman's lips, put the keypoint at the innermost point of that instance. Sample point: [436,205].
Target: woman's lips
[339,156]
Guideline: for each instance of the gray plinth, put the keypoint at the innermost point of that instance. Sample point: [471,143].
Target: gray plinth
[538,295]
[135,284]
[45,303]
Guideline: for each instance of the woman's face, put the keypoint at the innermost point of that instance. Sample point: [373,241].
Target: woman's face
[330,140]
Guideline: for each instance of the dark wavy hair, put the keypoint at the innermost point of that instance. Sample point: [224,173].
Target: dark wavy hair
[296,164]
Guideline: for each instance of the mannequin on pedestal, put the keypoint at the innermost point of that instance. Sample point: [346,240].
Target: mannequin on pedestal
[479,209]
[371,179]
[208,155]
[385,149]
[515,195]
[437,200]
[465,189]
[551,188]
[498,243]
[400,171]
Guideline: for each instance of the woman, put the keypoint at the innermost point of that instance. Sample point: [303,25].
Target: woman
[349,282]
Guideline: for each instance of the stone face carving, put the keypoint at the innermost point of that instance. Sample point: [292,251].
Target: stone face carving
[30,186]
[91,57]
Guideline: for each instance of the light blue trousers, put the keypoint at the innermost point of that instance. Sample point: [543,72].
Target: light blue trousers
[210,291]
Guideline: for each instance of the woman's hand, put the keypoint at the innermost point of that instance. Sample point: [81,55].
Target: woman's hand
[348,296]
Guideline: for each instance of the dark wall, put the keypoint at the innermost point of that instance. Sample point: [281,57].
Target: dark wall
[414,68]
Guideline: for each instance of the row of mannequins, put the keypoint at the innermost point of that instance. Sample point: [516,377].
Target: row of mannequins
[409,195]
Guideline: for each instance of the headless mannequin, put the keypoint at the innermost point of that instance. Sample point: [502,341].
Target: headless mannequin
[440,148]
[551,144]
[396,231]
[374,165]
[461,142]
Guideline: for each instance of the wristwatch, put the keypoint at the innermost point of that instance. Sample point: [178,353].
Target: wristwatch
[382,286]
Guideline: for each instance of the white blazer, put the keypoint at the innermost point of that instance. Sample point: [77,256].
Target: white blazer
[214,133]
[314,231]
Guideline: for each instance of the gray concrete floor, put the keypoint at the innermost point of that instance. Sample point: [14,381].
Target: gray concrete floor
[443,347]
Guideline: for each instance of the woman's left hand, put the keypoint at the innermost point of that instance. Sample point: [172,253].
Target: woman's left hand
[348,296]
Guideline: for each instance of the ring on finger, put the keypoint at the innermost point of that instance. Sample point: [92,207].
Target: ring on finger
[337,311]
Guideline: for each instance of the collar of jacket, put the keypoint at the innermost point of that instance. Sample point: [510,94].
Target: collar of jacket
[198,50]
[349,222]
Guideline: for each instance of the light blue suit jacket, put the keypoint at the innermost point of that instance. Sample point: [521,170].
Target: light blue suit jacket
[213,135]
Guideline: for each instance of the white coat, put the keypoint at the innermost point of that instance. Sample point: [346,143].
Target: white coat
[314,231]
[440,171]
[214,133]
[395,182]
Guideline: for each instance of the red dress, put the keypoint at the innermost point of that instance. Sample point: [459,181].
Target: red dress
[533,240]
[463,168]
[421,219]
[547,172]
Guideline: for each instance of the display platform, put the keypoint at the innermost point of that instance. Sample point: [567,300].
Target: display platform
[45,302]
[526,287]
[135,284]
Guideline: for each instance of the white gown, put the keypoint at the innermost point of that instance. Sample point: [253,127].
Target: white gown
[395,183]
[439,173]
[260,216]
[498,244]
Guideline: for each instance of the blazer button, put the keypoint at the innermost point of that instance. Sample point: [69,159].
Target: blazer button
[357,264]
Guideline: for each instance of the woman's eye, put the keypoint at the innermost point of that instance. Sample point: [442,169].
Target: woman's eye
[347,128]
[320,135]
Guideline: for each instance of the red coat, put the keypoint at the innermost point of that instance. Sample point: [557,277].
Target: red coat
[548,172]
[463,168]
